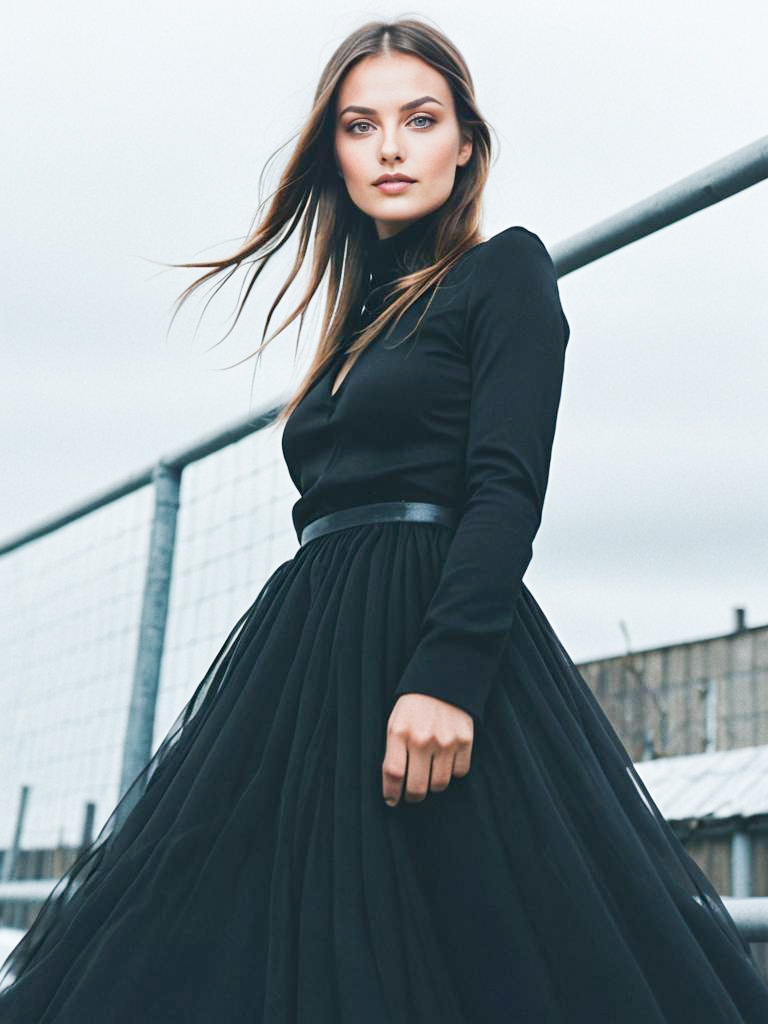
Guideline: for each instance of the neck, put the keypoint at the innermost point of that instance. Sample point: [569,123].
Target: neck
[409,249]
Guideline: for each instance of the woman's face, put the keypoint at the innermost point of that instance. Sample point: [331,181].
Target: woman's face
[422,141]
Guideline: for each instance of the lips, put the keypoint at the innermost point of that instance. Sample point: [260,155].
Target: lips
[385,180]
[390,187]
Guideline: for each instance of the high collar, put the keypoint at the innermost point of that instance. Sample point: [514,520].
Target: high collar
[408,250]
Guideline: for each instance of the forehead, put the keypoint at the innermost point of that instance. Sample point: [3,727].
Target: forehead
[388,80]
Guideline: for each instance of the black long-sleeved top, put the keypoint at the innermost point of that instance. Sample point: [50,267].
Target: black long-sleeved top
[463,413]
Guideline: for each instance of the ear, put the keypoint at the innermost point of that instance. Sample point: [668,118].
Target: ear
[465,152]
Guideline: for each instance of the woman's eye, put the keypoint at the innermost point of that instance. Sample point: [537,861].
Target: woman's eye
[417,117]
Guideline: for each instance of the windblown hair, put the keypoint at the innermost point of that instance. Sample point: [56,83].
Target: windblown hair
[312,193]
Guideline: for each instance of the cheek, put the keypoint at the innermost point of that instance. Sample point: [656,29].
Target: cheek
[350,160]
[441,157]
[349,154]
[342,153]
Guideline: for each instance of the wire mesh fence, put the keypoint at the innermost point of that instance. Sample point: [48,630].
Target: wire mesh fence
[70,613]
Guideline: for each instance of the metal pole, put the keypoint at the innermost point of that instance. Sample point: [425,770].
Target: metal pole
[741,864]
[137,749]
[12,856]
[739,170]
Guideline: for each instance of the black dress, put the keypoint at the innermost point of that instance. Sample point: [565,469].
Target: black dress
[261,877]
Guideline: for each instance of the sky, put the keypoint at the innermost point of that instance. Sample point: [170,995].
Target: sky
[134,136]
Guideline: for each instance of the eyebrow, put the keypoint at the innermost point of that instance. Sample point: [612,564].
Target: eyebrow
[406,106]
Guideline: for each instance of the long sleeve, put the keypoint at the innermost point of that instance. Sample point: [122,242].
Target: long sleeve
[515,335]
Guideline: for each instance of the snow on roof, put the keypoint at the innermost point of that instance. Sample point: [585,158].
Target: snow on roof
[719,784]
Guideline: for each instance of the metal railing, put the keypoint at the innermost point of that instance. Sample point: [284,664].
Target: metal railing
[712,184]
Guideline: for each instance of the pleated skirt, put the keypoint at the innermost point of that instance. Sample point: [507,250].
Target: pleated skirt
[259,876]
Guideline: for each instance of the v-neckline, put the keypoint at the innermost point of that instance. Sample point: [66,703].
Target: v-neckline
[334,397]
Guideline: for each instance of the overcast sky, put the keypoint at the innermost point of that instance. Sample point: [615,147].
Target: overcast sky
[136,133]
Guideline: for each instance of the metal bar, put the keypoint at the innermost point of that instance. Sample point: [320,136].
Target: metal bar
[186,456]
[128,486]
[137,748]
[12,854]
[741,863]
[750,916]
[734,173]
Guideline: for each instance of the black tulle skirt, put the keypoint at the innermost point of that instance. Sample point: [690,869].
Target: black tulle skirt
[260,877]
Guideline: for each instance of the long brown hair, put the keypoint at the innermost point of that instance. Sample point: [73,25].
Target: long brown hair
[311,193]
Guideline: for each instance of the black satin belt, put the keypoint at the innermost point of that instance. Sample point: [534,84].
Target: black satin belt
[381,512]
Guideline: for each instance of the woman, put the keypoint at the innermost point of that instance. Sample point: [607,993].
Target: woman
[393,798]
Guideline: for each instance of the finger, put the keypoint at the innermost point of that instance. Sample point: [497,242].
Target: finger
[417,776]
[462,758]
[442,770]
[393,768]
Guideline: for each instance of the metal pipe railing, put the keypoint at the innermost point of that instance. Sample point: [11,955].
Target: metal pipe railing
[750,915]
[712,184]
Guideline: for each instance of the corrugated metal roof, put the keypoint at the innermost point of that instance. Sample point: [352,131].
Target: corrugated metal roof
[719,784]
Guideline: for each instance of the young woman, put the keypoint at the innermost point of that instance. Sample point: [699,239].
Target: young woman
[393,798]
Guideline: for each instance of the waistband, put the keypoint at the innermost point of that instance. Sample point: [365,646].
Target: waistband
[381,512]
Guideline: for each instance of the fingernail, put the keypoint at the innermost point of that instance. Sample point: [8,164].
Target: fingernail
[390,803]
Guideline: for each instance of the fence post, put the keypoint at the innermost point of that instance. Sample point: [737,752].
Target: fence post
[741,863]
[137,748]
[12,856]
